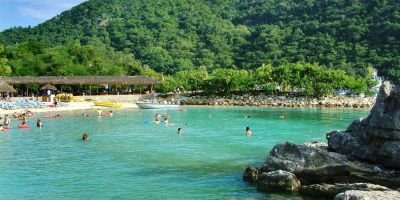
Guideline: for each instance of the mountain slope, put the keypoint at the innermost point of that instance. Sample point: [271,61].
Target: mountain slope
[173,35]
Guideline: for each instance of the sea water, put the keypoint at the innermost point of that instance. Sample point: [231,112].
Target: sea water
[129,157]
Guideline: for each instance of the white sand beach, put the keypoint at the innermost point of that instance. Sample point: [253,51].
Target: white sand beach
[127,101]
[68,107]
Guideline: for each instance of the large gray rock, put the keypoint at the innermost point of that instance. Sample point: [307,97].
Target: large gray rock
[377,137]
[278,180]
[368,195]
[331,190]
[314,164]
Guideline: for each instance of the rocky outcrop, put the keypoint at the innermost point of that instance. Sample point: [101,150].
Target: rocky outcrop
[359,163]
[368,195]
[314,164]
[331,190]
[320,172]
[377,137]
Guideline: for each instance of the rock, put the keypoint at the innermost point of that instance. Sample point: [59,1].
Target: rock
[316,144]
[314,165]
[377,137]
[278,180]
[331,190]
[368,195]
[251,174]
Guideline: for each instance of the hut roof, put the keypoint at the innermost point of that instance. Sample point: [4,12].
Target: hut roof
[81,80]
[4,87]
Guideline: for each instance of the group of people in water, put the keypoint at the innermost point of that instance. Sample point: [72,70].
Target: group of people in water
[23,117]
[160,115]
[165,121]
[99,113]
[5,124]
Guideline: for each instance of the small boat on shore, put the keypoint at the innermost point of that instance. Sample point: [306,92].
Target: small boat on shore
[149,105]
[108,104]
[153,103]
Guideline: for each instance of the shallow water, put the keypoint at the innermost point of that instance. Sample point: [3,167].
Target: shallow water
[128,157]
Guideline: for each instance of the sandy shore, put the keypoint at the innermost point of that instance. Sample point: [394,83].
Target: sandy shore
[68,107]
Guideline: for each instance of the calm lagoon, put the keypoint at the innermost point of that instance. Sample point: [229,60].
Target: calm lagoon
[128,157]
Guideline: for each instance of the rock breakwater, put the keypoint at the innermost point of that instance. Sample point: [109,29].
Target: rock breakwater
[281,101]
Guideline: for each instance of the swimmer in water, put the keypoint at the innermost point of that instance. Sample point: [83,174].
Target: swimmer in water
[156,121]
[165,120]
[85,137]
[39,123]
[179,131]
[248,131]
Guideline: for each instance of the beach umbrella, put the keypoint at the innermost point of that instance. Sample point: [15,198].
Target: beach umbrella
[48,87]
[4,87]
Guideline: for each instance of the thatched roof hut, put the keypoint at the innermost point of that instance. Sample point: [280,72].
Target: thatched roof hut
[82,80]
[4,87]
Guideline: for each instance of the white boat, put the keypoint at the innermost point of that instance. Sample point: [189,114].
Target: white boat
[149,105]
[154,104]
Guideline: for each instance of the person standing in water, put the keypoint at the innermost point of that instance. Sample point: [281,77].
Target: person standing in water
[179,131]
[248,131]
[99,112]
[6,121]
[39,123]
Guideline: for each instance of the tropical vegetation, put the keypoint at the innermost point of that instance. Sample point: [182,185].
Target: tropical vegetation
[216,46]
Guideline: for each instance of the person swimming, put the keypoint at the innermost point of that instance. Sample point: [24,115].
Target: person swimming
[165,120]
[179,131]
[39,123]
[85,137]
[248,131]
[156,121]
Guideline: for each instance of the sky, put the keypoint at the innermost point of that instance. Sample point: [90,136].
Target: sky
[31,12]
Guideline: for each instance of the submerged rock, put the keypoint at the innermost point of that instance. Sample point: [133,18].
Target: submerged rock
[278,180]
[251,174]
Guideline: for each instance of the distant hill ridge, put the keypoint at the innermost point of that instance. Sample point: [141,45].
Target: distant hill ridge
[174,35]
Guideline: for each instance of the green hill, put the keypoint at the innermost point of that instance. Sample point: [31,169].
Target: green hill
[175,35]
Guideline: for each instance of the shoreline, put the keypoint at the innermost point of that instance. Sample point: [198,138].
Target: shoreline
[72,106]
[128,101]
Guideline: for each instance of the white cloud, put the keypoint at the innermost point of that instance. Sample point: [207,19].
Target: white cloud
[44,9]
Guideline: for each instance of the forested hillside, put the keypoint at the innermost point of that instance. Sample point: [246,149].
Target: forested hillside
[168,36]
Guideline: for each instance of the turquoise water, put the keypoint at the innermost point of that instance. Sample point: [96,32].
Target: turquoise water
[129,158]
